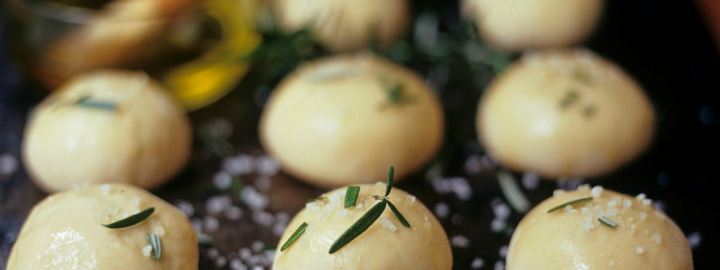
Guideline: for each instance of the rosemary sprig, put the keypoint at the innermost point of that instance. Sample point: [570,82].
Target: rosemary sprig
[367,219]
[86,101]
[608,222]
[294,237]
[561,206]
[397,213]
[131,220]
[154,241]
[360,226]
[351,195]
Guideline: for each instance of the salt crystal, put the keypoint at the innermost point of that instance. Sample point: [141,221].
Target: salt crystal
[503,251]
[217,204]
[233,213]
[263,218]
[238,165]
[211,224]
[596,191]
[185,207]
[477,263]
[147,250]
[639,250]
[656,238]
[642,216]
[236,264]
[267,166]
[627,203]
[220,262]
[411,198]
[694,239]
[442,210]
[222,180]
[254,199]
[530,181]
[497,225]
[388,224]
[8,164]
[461,188]
[558,192]
[460,241]
[640,197]
[263,183]
[646,202]
[501,210]
[213,253]
[257,246]
[499,265]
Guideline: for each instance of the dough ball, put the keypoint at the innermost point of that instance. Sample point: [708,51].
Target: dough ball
[520,24]
[344,25]
[65,231]
[386,244]
[574,238]
[332,119]
[106,126]
[566,113]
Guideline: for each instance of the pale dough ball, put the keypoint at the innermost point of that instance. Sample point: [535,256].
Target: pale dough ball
[386,244]
[574,238]
[65,231]
[566,113]
[144,140]
[332,119]
[521,24]
[344,25]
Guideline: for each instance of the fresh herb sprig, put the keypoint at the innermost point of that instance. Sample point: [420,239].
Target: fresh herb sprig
[561,206]
[88,102]
[351,195]
[367,219]
[154,241]
[608,222]
[131,220]
[294,237]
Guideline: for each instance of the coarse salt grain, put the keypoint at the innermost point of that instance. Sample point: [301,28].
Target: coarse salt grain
[217,204]
[639,250]
[254,199]
[694,239]
[640,197]
[8,164]
[442,210]
[411,198]
[503,251]
[147,250]
[388,224]
[499,265]
[210,224]
[267,166]
[222,180]
[233,213]
[558,192]
[646,202]
[501,210]
[530,181]
[656,238]
[185,207]
[477,263]
[460,241]
[627,203]
[596,191]
[642,216]
[497,225]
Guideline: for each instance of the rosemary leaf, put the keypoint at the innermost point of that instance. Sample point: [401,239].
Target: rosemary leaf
[513,193]
[397,213]
[294,237]
[585,199]
[154,241]
[608,222]
[86,101]
[351,196]
[131,220]
[389,181]
[362,224]
[321,198]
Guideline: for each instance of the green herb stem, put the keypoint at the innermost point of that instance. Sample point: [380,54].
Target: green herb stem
[397,213]
[608,222]
[561,206]
[360,226]
[351,195]
[87,102]
[294,237]
[131,220]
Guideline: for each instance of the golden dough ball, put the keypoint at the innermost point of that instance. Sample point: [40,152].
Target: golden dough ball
[573,237]
[386,244]
[345,25]
[566,113]
[514,25]
[106,126]
[65,231]
[331,119]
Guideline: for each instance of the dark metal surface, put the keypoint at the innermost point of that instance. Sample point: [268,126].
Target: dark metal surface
[664,45]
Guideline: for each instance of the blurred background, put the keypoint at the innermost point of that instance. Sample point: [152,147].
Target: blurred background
[222,58]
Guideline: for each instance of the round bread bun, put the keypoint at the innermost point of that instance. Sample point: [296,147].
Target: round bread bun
[65,231]
[345,25]
[330,120]
[565,113]
[573,237]
[514,25]
[106,126]
[386,244]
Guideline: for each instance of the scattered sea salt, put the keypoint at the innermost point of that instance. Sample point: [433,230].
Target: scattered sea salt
[695,239]
[388,224]
[503,251]
[254,199]
[217,204]
[460,241]
[8,164]
[497,225]
[499,265]
[210,224]
[530,181]
[639,250]
[477,263]
[656,238]
[147,250]
[596,191]
[501,210]
[222,180]
[442,210]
